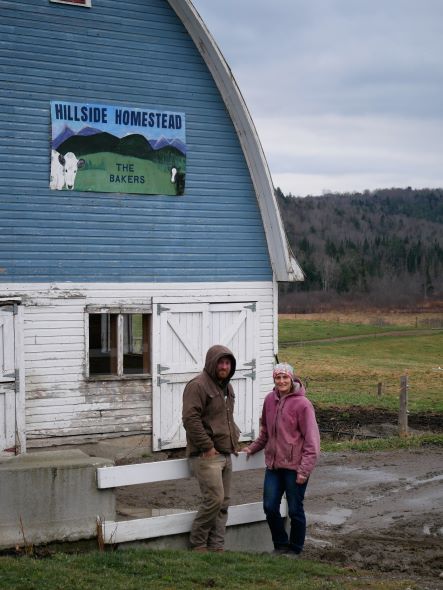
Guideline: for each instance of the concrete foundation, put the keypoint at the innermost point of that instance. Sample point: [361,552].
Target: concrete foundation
[252,538]
[51,496]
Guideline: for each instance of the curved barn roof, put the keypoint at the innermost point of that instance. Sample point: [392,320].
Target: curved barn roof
[284,265]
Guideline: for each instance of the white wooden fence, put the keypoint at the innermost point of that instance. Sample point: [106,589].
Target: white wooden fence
[171,524]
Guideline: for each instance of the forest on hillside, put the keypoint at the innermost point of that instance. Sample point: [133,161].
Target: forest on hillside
[379,248]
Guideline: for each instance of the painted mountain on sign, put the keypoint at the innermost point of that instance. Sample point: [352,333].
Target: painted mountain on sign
[92,141]
[88,131]
[163,141]
[89,144]
[64,135]
[135,145]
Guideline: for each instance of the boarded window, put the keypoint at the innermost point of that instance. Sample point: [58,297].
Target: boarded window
[119,344]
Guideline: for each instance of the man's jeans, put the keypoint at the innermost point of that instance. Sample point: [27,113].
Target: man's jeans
[278,481]
[214,477]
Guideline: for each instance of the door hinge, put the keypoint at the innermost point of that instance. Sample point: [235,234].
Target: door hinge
[252,364]
[163,443]
[251,375]
[11,450]
[162,308]
[7,377]
[252,307]
[160,381]
[161,368]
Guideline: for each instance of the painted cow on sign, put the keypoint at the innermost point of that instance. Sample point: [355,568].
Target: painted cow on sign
[57,178]
[178,178]
[64,170]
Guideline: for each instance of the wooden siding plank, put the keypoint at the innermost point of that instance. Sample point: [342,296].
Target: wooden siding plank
[91,433]
[91,420]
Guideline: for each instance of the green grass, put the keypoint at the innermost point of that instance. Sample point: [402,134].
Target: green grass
[306,330]
[384,444]
[343,373]
[168,570]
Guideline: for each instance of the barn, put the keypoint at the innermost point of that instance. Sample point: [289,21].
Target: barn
[138,223]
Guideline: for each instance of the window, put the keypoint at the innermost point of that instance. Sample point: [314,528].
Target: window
[86,3]
[119,344]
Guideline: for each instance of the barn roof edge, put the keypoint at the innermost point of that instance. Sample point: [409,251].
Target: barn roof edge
[283,262]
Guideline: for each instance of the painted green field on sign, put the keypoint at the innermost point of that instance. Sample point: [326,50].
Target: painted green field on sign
[109,172]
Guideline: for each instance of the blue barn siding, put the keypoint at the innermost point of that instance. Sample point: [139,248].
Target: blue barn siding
[135,53]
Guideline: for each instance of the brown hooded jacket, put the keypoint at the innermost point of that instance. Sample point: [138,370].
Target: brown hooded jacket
[207,417]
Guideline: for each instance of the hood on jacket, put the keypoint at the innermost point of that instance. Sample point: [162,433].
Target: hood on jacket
[214,354]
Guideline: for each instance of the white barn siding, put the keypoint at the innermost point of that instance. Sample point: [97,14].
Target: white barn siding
[62,405]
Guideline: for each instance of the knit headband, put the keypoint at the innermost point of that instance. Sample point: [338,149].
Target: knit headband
[283,369]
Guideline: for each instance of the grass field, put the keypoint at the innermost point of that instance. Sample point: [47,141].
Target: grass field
[306,330]
[342,373]
[383,444]
[374,318]
[170,570]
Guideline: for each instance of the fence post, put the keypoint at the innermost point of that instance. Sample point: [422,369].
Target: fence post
[403,410]
[379,389]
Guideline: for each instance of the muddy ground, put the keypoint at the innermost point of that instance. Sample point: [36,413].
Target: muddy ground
[381,510]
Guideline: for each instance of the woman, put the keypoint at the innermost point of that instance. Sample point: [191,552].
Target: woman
[289,434]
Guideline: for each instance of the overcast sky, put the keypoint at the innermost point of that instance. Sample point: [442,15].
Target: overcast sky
[346,95]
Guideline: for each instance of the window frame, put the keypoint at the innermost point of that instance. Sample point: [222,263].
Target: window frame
[120,311]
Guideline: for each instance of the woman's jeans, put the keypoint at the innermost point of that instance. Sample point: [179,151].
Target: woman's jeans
[278,481]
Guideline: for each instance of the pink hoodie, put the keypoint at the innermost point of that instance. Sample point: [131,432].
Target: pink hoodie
[289,431]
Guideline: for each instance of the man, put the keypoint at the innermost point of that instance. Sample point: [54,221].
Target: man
[212,435]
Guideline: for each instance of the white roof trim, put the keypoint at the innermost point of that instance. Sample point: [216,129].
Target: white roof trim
[284,265]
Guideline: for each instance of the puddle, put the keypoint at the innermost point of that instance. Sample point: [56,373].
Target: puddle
[424,500]
[345,477]
[336,516]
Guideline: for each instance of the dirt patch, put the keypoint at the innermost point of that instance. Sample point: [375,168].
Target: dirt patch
[373,421]
[380,511]
[414,318]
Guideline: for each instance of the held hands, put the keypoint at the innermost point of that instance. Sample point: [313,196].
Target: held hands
[211,453]
[301,479]
[247,450]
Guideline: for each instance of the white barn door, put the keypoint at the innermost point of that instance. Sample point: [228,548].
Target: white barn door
[233,325]
[7,379]
[182,334]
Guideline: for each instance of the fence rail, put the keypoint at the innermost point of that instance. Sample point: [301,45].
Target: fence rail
[170,524]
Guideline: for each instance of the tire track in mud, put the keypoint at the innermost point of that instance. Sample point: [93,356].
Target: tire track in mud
[393,524]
